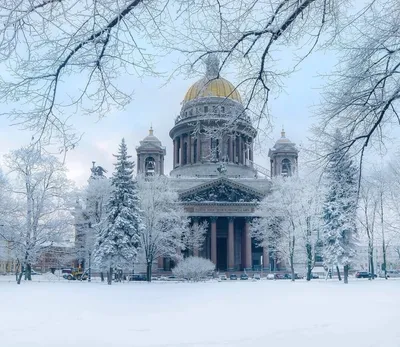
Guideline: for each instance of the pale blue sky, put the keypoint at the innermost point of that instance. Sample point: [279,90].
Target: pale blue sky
[156,104]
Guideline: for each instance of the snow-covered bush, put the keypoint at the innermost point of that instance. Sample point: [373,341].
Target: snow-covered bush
[193,268]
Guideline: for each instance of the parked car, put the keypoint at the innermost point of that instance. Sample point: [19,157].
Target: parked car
[270,276]
[223,277]
[233,277]
[280,276]
[314,276]
[244,277]
[364,274]
[256,277]
[298,276]
[392,273]
[137,277]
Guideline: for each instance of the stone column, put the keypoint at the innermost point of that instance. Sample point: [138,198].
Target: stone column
[195,224]
[174,154]
[231,244]
[240,150]
[182,148]
[177,151]
[198,148]
[234,149]
[231,154]
[160,263]
[265,258]
[189,149]
[214,240]
[247,240]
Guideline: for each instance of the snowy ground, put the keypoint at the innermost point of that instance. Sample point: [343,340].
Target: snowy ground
[230,313]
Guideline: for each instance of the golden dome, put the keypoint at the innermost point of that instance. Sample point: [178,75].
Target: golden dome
[218,87]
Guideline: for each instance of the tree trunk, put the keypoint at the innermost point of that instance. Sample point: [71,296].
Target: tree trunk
[309,261]
[148,272]
[109,276]
[102,276]
[28,272]
[372,265]
[17,271]
[291,250]
[346,274]
[20,275]
[292,268]
[338,273]
[383,239]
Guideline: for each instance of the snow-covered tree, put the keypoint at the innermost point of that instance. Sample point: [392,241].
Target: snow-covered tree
[89,45]
[289,220]
[363,96]
[194,236]
[42,191]
[118,241]
[339,212]
[368,217]
[194,268]
[164,220]
[90,216]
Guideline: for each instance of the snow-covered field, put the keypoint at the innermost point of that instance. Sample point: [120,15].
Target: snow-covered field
[266,313]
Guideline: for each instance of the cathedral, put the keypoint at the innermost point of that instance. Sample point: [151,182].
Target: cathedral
[214,172]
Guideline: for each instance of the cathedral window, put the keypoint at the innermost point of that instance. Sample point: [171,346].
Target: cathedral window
[191,112]
[286,168]
[223,109]
[150,166]
[205,109]
[214,109]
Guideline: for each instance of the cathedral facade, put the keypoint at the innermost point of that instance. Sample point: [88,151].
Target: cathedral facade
[214,172]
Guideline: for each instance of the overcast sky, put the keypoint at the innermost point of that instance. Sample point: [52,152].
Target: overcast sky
[158,105]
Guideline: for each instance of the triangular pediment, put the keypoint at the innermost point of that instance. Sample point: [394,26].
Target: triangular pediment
[221,190]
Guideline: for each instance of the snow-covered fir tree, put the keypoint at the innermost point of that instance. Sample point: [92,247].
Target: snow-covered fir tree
[118,242]
[339,212]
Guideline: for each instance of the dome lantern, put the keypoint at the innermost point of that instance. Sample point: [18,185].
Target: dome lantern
[212,67]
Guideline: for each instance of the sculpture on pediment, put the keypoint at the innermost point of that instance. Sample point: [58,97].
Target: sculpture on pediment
[220,193]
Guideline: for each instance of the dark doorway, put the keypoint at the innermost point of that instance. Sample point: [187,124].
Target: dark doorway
[222,255]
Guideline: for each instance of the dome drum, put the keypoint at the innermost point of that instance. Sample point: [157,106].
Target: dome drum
[212,107]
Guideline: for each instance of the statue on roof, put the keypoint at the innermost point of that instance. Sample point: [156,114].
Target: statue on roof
[97,171]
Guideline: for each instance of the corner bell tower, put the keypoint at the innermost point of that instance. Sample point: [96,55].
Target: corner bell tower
[150,155]
[283,157]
